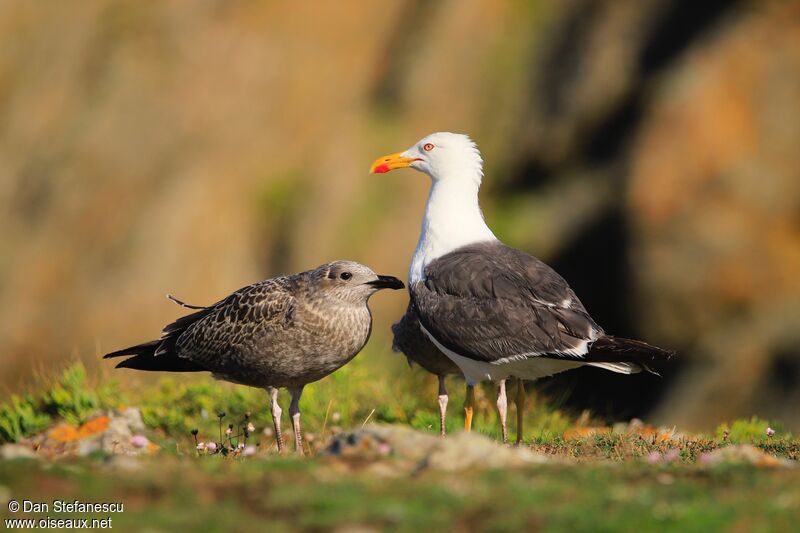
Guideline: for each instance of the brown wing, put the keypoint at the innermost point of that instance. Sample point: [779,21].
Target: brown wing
[233,322]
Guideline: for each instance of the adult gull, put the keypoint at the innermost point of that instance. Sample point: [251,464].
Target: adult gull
[495,311]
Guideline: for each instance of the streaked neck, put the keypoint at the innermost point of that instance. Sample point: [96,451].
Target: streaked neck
[453,218]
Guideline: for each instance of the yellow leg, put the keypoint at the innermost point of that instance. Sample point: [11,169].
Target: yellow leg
[520,401]
[469,405]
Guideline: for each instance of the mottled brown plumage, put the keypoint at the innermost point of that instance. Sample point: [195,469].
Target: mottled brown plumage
[283,332]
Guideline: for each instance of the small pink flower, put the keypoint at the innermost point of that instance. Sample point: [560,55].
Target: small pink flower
[249,450]
[384,448]
[672,455]
[654,458]
[228,431]
[770,432]
[201,445]
[139,441]
[211,446]
[250,427]
[240,446]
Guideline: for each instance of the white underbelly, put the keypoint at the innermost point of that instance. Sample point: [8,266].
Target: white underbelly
[528,368]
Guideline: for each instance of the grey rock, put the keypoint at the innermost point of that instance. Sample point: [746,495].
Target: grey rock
[745,454]
[13,451]
[417,450]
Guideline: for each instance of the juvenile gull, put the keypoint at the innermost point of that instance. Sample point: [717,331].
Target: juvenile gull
[282,332]
[418,348]
[493,310]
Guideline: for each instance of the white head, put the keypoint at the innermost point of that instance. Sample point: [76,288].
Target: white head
[453,216]
[442,156]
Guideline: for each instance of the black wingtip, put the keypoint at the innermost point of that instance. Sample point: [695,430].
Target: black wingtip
[619,349]
[118,353]
[160,364]
[139,349]
[125,363]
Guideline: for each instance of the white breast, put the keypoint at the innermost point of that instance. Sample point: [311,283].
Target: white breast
[452,219]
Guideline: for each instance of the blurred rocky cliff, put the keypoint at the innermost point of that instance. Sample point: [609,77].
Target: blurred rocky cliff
[646,149]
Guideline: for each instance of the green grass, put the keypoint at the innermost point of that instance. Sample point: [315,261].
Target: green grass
[598,482]
[312,495]
[173,406]
[70,397]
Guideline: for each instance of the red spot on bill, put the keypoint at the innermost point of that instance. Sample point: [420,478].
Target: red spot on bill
[380,169]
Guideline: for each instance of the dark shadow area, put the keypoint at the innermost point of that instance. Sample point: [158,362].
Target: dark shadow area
[779,384]
[562,65]
[784,374]
[608,141]
[596,262]
[607,395]
[596,266]
[679,25]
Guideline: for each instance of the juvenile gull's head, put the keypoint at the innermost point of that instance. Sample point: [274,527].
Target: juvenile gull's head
[349,281]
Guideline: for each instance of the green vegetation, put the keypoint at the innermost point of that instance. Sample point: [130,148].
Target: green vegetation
[628,477]
[71,397]
[20,417]
[746,431]
[177,404]
[311,495]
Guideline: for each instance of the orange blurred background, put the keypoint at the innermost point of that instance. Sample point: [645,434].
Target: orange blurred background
[647,150]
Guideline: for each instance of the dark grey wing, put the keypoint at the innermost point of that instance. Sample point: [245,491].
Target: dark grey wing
[488,301]
[235,323]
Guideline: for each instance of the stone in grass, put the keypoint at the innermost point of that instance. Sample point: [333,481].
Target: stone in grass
[112,433]
[417,450]
[14,450]
[744,453]
[121,435]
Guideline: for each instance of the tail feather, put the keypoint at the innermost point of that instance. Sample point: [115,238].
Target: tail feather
[621,368]
[626,356]
[609,349]
[160,364]
[139,349]
[161,354]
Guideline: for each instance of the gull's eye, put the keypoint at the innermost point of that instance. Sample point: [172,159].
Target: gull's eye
[345,275]
[428,147]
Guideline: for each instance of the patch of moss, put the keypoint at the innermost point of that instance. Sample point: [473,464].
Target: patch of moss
[20,417]
[753,430]
[70,397]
